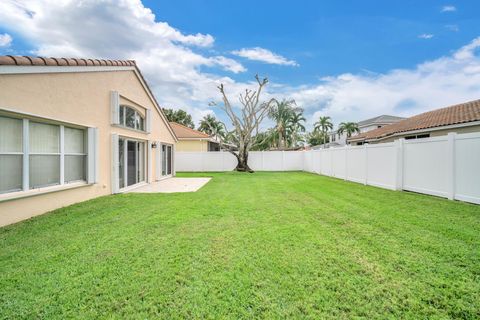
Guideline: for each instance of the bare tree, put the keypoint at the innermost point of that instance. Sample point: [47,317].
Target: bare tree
[245,123]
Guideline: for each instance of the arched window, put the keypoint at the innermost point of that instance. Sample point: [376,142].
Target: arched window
[131,118]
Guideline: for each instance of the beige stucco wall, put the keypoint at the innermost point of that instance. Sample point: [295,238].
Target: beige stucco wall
[192,145]
[81,98]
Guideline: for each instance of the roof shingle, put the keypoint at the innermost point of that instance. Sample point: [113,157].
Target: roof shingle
[456,114]
[42,61]
[183,132]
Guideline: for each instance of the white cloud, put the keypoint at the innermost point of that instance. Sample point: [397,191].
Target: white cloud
[449,8]
[228,64]
[5,40]
[174,62]
[125,29]
[403,92]
[426,36]
[263,55]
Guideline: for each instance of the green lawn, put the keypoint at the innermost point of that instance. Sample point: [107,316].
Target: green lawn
[262,245]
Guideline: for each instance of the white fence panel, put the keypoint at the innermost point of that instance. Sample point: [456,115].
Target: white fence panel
[272,161]
[467,167]
[308,161]
[293,160]
[381,165]
[212,161]
[316,161]
[426,166]
[326,162]
[356,165]
[188,161]
[338,162]
[255,160]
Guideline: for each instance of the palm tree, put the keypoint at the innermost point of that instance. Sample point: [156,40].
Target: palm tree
[296,126]
[265,140]
[323,125]
[211,126]
[281,113]
[348,127]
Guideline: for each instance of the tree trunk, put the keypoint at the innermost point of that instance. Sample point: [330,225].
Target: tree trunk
[242,161]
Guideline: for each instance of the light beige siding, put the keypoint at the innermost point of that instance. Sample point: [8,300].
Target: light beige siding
[192,146]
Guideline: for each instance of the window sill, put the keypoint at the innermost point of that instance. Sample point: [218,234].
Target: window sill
[130,129]
[40,191]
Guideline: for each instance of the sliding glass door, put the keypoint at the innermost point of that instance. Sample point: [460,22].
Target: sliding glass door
[166,160]
[131,162]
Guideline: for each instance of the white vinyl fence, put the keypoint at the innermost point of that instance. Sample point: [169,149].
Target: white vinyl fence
[447,166]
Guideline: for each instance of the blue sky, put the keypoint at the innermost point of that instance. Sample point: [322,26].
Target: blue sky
[347,59]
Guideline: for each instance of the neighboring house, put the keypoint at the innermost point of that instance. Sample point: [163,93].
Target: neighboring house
[377,122]
[193,140]
[339,140]
[460,118]
[76,129]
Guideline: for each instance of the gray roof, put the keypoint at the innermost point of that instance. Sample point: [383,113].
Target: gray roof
[380,120]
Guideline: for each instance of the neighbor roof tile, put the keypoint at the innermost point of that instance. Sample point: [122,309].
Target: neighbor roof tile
[184,132]
[456,114]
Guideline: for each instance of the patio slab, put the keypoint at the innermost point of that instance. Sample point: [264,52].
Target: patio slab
[173,185]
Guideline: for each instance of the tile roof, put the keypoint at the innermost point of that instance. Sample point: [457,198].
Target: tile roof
[456,114]
[183,132]
[42,61]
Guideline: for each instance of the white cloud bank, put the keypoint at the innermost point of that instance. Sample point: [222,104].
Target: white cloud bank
[123,29]
[263,55]
[433,84]
[171,63]
[5,40]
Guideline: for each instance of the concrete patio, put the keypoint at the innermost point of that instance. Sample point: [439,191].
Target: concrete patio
[173,185]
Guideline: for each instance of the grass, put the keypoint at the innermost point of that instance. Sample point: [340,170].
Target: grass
[262,245]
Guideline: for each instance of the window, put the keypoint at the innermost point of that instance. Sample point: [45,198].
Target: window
[418,136]
[48,155]
[44,155]
[131,118]
[11,154]
[75,155]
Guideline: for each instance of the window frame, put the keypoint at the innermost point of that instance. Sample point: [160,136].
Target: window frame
[15,153]
[139,121]
[27,188]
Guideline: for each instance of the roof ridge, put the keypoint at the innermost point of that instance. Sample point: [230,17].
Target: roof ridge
[56,61]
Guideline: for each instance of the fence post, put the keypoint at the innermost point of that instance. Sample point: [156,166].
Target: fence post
[451,165]
[346,165]
[283,160]
[366,163]
[399,162]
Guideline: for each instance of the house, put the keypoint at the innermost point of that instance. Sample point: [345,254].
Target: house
[76,129]
[338,140]
[377,122]
[460,118]
[193,140]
